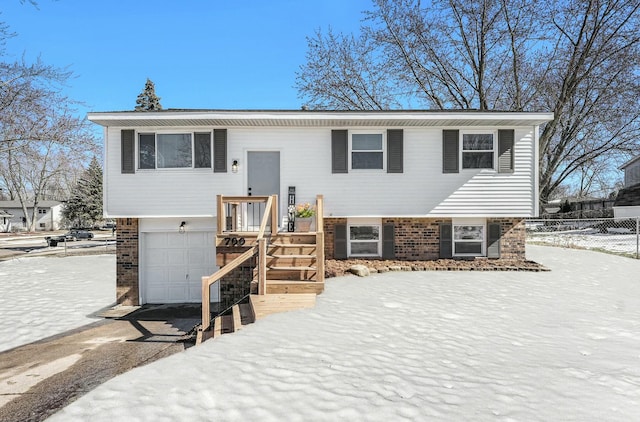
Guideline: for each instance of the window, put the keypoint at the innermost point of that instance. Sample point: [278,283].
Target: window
[364,240]
[367,151]
[468,239]
[41,211]
[477,150]
[174,150]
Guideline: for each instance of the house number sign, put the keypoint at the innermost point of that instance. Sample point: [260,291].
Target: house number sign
[234,241]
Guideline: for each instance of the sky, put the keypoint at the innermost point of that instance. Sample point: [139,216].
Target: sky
[214,54]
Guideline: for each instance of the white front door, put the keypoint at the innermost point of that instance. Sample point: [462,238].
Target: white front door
[174,264]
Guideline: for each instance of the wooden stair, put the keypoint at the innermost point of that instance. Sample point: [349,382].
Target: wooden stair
[292,265]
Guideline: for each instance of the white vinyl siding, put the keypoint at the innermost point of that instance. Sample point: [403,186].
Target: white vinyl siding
[305,153]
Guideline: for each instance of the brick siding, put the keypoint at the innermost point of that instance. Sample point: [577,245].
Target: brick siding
[127,259]
[418,239]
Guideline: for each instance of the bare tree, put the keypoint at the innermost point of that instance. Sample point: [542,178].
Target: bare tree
[579,59]
[42,141]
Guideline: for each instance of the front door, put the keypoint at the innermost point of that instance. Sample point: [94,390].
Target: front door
[263,178]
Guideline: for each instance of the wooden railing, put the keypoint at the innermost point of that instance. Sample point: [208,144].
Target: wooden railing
[270,214]
[320,238]
[236,207]
[242,213]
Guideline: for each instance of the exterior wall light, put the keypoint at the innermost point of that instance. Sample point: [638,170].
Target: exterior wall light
[234,166]
[182,227]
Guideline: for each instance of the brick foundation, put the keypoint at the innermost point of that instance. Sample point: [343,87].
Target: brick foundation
[127,259]
[329,234]
[513,237]
[418,239]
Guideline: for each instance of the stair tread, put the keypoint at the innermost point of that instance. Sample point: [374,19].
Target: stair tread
[292,281]
[292,268]
[291,256]
[291,245]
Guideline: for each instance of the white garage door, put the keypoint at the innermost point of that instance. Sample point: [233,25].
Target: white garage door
[173,265]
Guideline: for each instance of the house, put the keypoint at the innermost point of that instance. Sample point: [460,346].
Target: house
[49,216]
[407,185]
[627,203]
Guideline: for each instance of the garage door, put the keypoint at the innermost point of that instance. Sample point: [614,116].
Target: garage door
[173,265]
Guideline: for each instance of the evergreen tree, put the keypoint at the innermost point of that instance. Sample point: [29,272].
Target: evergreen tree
[84,207]
[148,100]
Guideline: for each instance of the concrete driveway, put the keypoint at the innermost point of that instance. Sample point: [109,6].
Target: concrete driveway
[39,378]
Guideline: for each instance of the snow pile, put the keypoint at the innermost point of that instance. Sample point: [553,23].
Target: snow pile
[559,345]
[41,297]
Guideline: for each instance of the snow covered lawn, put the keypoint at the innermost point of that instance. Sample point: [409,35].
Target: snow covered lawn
[559,345]
[41,297]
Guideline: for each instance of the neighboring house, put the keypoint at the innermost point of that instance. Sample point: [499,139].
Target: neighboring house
[5,227]
[407,185]
[48,217]
[627,202]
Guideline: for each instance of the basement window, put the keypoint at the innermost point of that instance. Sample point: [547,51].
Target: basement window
[468,239]
[364,240]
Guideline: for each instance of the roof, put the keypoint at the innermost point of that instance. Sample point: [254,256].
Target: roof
[628,197]
[317,118]
[628,163]
[17,204]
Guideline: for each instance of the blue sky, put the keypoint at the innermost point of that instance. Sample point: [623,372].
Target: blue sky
[219,54]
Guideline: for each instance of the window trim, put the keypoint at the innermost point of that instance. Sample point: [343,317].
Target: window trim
[383,149]
[470,222]
[365,223]
[191,133]
[494,150]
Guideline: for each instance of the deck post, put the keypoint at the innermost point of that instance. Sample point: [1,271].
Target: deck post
[274,216]
[262,266]
[221,217]
[206,304]
[320,256]
[319,213]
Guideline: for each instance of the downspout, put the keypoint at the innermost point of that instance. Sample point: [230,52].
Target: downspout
[536,171]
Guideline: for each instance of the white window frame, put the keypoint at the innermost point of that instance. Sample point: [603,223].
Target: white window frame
[469,223]
[383,149]
[42,211]
[364,223]
[192,134]
[493,133]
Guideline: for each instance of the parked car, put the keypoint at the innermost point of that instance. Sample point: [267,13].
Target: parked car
[78,234]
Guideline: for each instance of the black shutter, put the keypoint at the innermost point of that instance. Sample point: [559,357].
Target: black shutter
[340,241]
[128,151]
[505,150]
[394,150]
[446,240]
[220,150]
[388,241]
[493,240]
[450,151]
[339,151]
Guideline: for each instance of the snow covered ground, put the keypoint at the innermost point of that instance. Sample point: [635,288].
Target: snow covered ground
[559,345]
[621,243]
[41,297]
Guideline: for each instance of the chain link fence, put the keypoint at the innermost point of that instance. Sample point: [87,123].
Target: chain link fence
[620,236]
